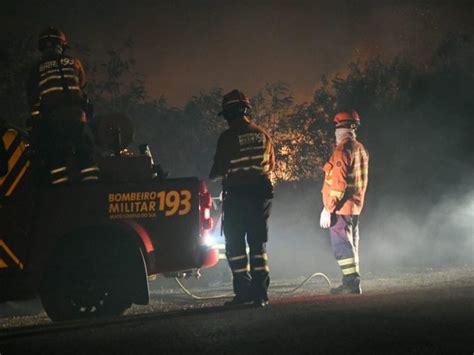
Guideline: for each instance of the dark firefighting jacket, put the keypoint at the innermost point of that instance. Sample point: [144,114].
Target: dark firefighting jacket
[55,81]
[244,159]
[346,178]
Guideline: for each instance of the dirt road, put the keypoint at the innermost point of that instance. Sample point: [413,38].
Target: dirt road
[414,313]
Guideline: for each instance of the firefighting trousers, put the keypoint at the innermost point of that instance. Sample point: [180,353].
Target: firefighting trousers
[344,233]
[245,220]
[63,134]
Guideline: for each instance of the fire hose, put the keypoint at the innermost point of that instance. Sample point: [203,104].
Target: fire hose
[197,297]
[305,281]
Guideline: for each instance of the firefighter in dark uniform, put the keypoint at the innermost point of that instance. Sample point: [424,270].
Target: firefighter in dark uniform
[58,104]
[244,159]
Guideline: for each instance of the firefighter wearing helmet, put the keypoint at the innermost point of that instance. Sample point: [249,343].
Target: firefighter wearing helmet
[58,110]
[244,159]
[343,192]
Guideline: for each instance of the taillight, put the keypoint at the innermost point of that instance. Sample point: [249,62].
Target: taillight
[205,204]
[206,200]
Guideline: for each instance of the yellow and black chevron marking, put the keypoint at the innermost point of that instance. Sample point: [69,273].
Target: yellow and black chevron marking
[18,162]
[4,247]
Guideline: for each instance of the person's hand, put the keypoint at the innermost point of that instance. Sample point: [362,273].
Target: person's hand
[325,219]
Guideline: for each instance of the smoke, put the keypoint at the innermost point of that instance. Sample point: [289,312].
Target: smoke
[297,246]
[397,232]
[451,227]
[400,236]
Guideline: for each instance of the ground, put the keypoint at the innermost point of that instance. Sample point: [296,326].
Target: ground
[423,312]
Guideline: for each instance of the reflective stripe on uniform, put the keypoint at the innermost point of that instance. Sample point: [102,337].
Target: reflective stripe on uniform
[239,257]
[338,194]
[252,148]
[56,77]
[58,170]
[362,172]
[87,178]
[91,169]
[347,261]
[59,181]
[350,271]
[247,168]
[35,113]
[362,164]
[52,71]
[59,88]
[260,256]
[51,36]
[359,185]
[246,158]
[246,269]
[261,268]
[348,266]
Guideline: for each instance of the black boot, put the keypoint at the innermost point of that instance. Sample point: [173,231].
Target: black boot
[350,285]
[238,301]
[260,302]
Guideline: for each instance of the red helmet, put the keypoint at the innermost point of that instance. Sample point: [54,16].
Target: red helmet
[51,35]
[347,119]
[234,100]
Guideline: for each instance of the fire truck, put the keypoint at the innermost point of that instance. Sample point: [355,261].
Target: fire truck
[89,250]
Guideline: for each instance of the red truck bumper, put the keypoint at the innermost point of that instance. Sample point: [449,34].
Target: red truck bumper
[212,258]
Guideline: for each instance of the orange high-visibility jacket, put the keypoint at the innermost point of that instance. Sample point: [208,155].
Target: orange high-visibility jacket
[346,178]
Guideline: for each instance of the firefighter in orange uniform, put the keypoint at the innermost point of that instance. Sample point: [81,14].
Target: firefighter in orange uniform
[245,159]
[58,105]
[345,184]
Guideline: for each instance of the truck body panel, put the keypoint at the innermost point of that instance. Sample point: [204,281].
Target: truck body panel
[164,217]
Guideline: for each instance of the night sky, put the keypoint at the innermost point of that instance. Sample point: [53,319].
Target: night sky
[187,46]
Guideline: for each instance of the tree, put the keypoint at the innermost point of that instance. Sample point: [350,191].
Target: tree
[16,58]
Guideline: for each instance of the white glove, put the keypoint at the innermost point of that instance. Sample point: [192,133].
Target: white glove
[325,220]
